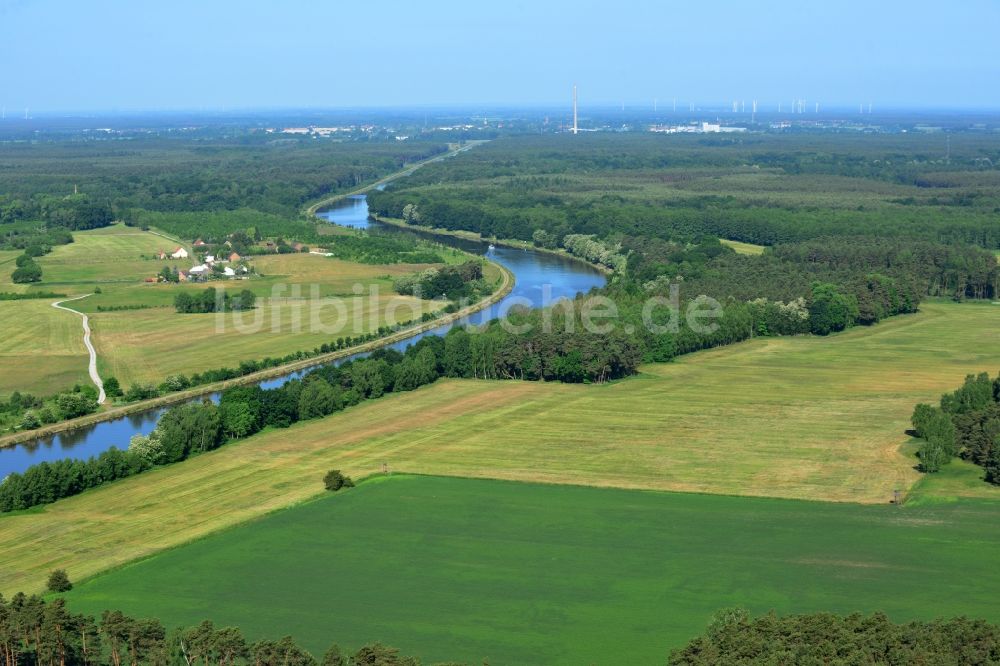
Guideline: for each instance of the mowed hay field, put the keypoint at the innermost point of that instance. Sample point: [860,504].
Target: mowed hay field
[459,569]
[110,254]
[806,418]
[148,344]
[41,350]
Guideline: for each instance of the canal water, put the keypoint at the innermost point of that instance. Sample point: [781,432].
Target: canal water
[540,279]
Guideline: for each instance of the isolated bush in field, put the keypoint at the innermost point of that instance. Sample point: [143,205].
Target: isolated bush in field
[334,481]
[59,581]
[29,272]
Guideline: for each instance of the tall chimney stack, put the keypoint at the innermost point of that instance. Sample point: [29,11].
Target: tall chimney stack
[574,109]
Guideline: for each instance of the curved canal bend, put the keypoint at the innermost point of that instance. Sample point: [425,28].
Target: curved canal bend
[540,278]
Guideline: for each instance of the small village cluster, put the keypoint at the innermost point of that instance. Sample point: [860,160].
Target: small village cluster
[231,266]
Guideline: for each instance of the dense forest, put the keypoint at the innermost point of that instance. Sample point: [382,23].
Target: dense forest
[638,206]
[965,424]
[208,174]
[764,189]
[36,632]
[207,187]
[735,638]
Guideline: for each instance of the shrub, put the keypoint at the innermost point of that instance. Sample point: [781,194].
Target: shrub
[112,388]
[334,481]
[141,392]
[59,581]
[72,405]
[29,421]
[29,272]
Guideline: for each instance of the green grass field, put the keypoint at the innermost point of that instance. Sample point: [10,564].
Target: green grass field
[110,254]
[464,570]
[803,418]
[743,248]
[42,349]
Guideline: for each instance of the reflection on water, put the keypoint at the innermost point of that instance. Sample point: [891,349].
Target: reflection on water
[540,279]
[350,211]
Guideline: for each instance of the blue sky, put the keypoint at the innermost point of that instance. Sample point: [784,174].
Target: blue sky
[58,55]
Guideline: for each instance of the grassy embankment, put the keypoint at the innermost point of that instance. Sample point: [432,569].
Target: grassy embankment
[803,418]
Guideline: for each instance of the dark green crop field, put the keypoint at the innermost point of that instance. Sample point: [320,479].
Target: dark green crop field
[463,569]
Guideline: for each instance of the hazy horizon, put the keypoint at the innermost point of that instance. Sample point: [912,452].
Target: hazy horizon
[109,56]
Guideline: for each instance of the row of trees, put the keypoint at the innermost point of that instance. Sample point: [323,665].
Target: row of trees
[23,236]
[46,633]
[29,296]
[214,300]
[25,411]
[965,424]
[735,637]
[47,482]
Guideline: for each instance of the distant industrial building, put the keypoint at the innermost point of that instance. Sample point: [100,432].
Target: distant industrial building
[695,128]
